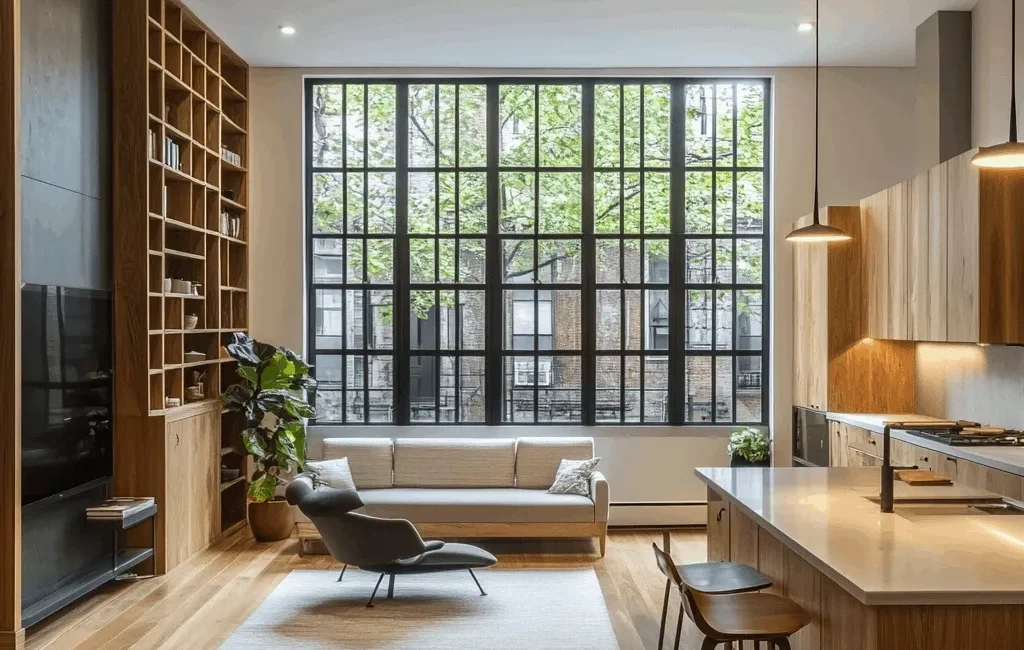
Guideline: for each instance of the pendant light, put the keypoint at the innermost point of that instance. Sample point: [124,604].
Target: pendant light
[1009,155]
[817,231]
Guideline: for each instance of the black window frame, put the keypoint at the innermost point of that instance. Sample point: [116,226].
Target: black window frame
[495,352]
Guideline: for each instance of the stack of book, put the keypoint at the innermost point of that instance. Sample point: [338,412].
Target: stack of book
[118,508]
[172,154]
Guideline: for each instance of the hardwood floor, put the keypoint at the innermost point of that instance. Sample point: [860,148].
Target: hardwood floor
[200,603]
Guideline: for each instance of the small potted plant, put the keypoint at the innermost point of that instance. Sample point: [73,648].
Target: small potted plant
[272,399]
[749,447]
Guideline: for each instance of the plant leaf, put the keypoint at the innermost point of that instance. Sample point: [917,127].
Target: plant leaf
[256,443]
[263,488]
[241,349]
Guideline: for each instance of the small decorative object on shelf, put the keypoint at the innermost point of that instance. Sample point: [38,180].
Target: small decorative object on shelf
[273,400]
[231,156]
[228,474]
[183,287]
[228,194]
[172,402]
[192,357]
[191,320]
[154,144]
[750,447]
[168,285]
[196,289]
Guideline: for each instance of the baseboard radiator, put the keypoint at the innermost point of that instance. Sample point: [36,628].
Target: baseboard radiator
[645,514]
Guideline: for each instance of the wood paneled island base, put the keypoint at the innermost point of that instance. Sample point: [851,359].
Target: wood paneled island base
[841,620]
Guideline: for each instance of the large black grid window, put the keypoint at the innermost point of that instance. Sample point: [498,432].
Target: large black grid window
[538,251]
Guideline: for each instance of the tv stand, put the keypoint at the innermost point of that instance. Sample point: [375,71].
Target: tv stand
[123,560]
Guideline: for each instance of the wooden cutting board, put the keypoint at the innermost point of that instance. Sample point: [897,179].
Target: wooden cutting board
[922,477]
[983,431]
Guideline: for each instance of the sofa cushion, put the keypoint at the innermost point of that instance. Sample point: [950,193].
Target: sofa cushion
[479,505]
[537,459]
[455,462]
[369,459]
[332,473]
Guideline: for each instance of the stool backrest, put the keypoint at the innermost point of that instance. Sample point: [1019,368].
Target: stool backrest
[667,566]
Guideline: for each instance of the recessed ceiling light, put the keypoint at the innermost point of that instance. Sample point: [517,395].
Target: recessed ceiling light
[805,27]
[287,30]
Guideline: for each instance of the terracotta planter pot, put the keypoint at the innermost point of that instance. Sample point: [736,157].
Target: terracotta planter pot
[272,520]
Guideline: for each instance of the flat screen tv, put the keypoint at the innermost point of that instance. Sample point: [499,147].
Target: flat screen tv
[66,389]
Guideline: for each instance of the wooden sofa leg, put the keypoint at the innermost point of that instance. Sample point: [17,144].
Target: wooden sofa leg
[603,541]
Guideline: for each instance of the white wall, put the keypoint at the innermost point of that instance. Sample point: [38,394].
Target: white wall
[867,144]
[968,381]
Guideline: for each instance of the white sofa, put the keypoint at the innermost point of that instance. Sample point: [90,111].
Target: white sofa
[475,487]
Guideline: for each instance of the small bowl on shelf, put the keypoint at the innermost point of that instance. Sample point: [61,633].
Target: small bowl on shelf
[194,393]
[191,320]
[227,474]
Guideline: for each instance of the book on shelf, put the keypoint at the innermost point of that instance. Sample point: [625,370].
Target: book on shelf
[118,507]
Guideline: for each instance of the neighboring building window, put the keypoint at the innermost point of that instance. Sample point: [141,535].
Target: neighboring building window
[491,251]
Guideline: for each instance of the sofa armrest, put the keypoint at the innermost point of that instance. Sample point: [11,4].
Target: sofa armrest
[600,494]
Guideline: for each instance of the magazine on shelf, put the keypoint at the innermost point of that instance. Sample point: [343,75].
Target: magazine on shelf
[118,507]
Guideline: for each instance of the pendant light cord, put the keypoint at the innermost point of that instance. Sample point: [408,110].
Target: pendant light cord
[1013,72]
[817,32]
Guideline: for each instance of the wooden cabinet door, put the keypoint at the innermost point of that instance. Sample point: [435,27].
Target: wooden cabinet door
[901,198]
[963,227]
[810,327]
[860,458]
[987,478]
[875,228]
[903,454]
[927,255]
[192,511]
[743,538]
[838,445]
[718,528]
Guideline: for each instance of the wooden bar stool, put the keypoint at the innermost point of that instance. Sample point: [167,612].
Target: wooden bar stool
[744,617]
[718,578]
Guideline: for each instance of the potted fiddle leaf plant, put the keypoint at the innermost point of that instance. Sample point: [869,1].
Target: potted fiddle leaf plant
[272,399]
[750,447]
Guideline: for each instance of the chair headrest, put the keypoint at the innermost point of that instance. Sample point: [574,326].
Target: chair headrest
[302,493]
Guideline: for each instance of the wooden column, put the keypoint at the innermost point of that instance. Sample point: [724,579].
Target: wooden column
[11,633]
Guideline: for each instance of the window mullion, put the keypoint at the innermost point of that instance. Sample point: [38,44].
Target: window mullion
[493,388]
[677,256]
[400,317]
[588,297]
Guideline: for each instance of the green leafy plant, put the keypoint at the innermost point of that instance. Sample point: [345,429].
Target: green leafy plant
[272,399]
[751,443]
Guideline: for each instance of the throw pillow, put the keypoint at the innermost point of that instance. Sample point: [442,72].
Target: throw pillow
[333,473]
[573,477]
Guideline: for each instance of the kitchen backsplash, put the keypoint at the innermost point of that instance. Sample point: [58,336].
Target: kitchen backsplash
[971,382]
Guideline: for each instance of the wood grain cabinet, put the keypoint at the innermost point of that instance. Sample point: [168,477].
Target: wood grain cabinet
[718,528]
[938,256]
[835,367]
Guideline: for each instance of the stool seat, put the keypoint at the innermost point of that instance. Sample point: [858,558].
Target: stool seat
[748,616]
[722,577]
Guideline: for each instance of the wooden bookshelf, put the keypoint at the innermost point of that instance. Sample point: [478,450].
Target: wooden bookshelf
[181,213]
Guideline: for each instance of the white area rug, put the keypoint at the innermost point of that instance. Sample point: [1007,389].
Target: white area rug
[524,610]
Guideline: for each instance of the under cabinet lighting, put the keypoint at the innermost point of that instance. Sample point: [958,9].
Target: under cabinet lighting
[287,30]
[805,27]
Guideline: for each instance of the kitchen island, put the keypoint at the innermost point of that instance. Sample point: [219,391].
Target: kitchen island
[924,577]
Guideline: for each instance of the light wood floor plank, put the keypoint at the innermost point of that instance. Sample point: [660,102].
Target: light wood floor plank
[200,603]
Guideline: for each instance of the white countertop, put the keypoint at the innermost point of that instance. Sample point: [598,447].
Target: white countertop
[1006,459]
[918,555]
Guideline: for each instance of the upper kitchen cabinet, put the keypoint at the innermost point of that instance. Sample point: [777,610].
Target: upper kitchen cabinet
[939,256]
[836,367]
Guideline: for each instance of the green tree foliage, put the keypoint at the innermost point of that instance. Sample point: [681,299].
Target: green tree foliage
[631,131]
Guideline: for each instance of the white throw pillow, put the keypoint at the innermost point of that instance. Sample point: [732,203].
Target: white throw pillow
[573,477]
[333,473]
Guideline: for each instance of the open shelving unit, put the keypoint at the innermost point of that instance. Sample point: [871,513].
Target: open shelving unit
[183,207]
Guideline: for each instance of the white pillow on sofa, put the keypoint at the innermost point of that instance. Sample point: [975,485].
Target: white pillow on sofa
[573,477]
[334,473]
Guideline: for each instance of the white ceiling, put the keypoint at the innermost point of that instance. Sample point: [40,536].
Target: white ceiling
[567,33]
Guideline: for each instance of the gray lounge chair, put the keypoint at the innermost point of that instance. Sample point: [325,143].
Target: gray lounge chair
[389,547]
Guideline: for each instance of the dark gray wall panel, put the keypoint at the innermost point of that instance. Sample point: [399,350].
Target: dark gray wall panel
[65,238]
[65,77]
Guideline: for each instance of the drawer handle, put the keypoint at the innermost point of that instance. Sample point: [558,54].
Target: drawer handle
[873,441]
[720,513]
[950,459]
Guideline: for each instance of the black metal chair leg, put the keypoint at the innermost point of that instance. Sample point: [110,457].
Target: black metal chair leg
[391,586]
[379,580]
[664,614]
[782,644]
[708,644]
[679,626]
[482,592]
[342,573]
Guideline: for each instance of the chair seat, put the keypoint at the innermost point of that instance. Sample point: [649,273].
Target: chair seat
[722,577]
[750,615]
[449,557]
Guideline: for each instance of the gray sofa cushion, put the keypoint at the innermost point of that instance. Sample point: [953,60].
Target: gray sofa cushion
[537,459]
[369,459]
[480,505]
[454,462]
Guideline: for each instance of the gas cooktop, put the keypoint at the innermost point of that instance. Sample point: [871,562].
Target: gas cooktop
[955,437]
